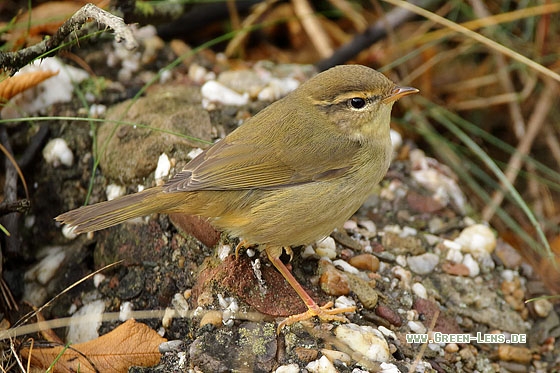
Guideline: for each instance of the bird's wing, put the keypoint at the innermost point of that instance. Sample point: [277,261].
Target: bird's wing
[248,163]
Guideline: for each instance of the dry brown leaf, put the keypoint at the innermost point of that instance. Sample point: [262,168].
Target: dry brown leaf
[13,85]
[130,344]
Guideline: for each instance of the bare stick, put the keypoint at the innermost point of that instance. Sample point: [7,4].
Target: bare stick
[11,62]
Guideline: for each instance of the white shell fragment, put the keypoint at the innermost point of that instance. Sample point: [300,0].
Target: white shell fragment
[57,152]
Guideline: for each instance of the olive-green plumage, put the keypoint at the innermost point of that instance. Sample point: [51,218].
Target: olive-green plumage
[289,175]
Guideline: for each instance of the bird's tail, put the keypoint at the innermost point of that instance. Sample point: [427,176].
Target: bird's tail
[106,214]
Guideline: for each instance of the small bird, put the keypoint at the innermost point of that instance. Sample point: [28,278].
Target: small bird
[287,177]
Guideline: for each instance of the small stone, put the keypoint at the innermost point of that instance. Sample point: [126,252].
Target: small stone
[350,225]
[308,252]
[326,248]
[423,264]
[57,153]
[214,92]
[417,327]
[455,269]
[212,317]
[323,365]
[472,265]
[290,368]
[366,262]
[451,348]
[364,339]
[345,266]
[114,191]
[516,354]
[507,254]
[162,169]
[542,307]
[333,355]
[171,346]
[477,239]
[404,275]
[388,314]
[344,302]
[419,290]
[333,282]
[306,355]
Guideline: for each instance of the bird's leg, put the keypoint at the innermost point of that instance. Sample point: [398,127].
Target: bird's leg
[325,313]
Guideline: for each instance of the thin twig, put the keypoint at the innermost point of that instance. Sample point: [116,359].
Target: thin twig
[544,103]
[311,25]
[11,62]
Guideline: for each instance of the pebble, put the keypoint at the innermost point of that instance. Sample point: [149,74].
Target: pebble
[454,255]
[171,346]
[180,304]
[419,290]
[388,314]
[477,239]
[451,348]
[472,265]
[333,282]
[366,262]
[308,252]
[214,92]
[403,275]
[125,311]
[344,302]
[290,368]
[507,254]
[365,340]
[80,331]
[345,266]
[277,88]
[57,153]
[212,317]
[350,225]
[387,332]
[333,355]
[542,307]
[417,327]
[455,269]
[423,264]
[326,248]
[46,269]
[322,365]
[162,169]
[516,354]
[363,290]
[113,191]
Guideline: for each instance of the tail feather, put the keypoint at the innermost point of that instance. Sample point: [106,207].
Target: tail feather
[107,214]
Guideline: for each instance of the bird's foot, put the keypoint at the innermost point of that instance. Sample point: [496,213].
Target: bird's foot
[324,313]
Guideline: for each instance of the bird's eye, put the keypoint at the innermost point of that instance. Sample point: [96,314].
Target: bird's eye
[357,102]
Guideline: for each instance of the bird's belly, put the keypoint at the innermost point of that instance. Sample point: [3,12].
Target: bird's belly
[295,215]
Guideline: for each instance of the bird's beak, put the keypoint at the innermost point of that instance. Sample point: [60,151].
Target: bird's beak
[398,93]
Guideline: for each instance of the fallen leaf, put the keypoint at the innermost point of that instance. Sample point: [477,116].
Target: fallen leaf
[13,85]
[130,344]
